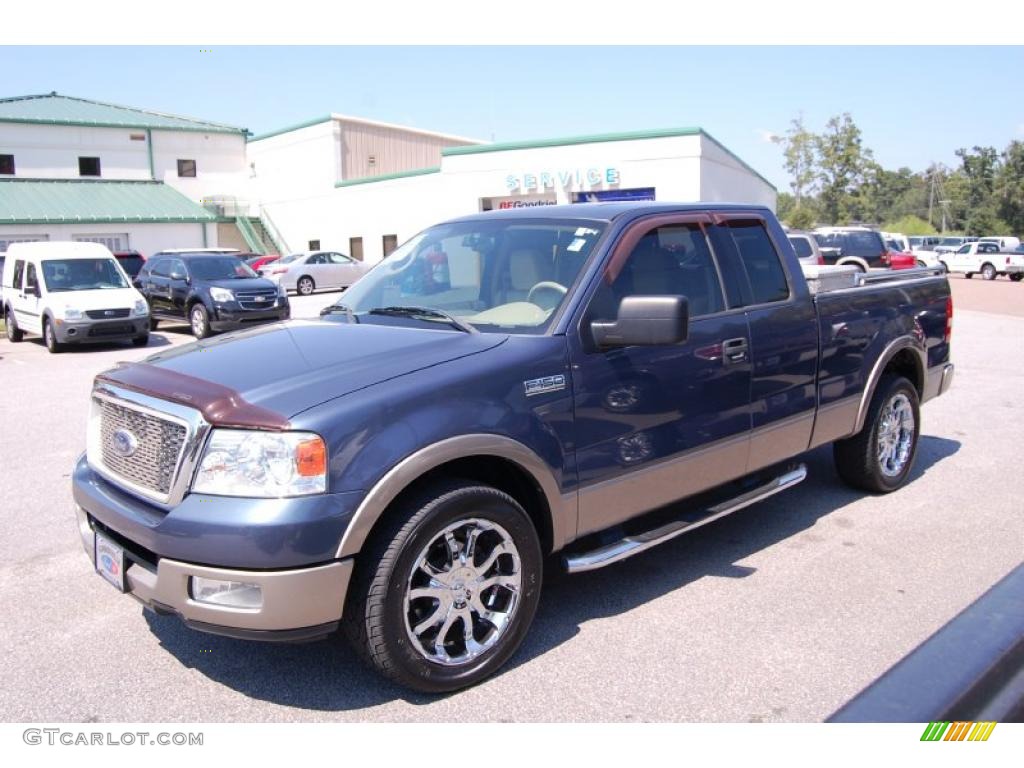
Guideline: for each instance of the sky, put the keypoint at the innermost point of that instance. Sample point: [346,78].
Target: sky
[914,105]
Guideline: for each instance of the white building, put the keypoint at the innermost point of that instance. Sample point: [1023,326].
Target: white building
[76,169]
[325,193]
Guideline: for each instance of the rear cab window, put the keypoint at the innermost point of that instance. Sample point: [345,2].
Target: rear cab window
[802,247]
[764,271]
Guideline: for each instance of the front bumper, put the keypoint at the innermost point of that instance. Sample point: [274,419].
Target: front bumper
[98,331]
[298,604]
[232,317]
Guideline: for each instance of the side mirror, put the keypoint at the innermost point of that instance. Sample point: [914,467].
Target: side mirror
[645,321]
[178,275]
[34,291]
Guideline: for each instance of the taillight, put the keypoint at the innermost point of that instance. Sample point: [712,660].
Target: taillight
[279,271]
[821,259]
[949,319]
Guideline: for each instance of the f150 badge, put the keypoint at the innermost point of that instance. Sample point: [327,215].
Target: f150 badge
[545,384]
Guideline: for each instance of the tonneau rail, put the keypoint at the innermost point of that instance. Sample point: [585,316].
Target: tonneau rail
[834,279]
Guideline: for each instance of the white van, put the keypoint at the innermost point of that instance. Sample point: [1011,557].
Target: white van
[70,293]
[1005,243]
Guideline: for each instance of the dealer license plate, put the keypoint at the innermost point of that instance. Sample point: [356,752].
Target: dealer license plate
[110,562]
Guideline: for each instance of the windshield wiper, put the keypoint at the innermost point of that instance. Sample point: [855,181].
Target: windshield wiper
[422,312]
[340,309]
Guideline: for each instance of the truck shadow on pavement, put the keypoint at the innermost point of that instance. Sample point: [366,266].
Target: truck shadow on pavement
[327,675]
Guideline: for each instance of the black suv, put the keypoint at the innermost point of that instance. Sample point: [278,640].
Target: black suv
[854,246]
[210,292]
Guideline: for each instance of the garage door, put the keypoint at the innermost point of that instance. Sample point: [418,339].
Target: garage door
[113,242]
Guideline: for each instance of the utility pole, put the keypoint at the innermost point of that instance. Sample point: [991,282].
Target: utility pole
[944,204]
[931,194]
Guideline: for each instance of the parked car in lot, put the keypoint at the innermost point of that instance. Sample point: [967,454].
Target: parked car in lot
[953,243]
[501,387]
[1004,242]
[70,293]
[210,292]
[856,246]
[311,271]
[982,258]
[897,241]
[806,247]
[131,262]
[260,260]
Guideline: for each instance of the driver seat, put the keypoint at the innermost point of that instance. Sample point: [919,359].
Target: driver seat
[526,268]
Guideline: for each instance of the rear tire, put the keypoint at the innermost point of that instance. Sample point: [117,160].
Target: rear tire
[419,608]
[14,334]
[305,286]
[988,272]
[50,338]
[1017,277]
[968,275]
[881,456]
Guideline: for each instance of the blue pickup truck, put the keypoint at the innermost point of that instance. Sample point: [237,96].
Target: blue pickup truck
[501,388]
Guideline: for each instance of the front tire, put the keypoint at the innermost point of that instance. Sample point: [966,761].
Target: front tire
[305,286]
[445,592]
[199,319]
[50,338]
[141,341]
[988,272]
[14,333]
[881,456]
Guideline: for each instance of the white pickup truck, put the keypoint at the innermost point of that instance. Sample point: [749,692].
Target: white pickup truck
[986,259]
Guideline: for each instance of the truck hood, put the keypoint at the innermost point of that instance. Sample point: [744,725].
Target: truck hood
[267,375]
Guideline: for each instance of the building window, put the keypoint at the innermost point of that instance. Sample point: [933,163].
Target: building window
[6,240]
[314,245]
[112,242]
[355,248]
[7,165]
[187,169]
[88,166]
[390,243]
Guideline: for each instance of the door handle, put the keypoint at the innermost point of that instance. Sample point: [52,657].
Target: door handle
[734,351]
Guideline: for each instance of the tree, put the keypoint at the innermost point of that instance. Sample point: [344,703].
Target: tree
[910,225]
[841,161]
[801,217]
[798,149]
[1009,187]
[980,167]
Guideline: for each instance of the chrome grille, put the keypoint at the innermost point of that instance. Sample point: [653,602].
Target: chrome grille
[158,445]
[257,298]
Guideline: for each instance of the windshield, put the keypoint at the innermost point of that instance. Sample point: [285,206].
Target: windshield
[220,268]
[951,241]
[82,275]
[495,275]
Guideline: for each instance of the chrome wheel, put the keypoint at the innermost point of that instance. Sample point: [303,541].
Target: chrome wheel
[198,322]
[895,435]
[463,592]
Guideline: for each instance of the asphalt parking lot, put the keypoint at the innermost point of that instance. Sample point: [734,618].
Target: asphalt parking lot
[780,612]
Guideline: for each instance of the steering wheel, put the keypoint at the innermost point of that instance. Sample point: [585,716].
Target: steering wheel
[550,286]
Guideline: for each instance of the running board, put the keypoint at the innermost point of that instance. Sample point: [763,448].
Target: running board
[641,542]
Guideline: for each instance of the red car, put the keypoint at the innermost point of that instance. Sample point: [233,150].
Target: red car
[259,261]
[900,260]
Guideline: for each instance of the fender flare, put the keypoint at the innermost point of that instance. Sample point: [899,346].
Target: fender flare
[892,349]
[852,261]
[414,466]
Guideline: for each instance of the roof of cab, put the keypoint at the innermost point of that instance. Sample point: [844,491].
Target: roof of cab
[605,211]
[57,249]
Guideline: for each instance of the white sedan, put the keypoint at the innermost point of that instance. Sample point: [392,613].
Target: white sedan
[311,271]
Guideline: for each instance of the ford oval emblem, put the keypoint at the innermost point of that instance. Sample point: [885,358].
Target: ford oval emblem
[125,443]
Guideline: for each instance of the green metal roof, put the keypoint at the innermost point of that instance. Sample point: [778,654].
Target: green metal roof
[568,140]
[297,126]
[388,176]
[55,109]
[36,201]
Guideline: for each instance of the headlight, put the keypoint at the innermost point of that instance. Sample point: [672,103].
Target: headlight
[141,308]
[240,462]
[72,314]
[221,294]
